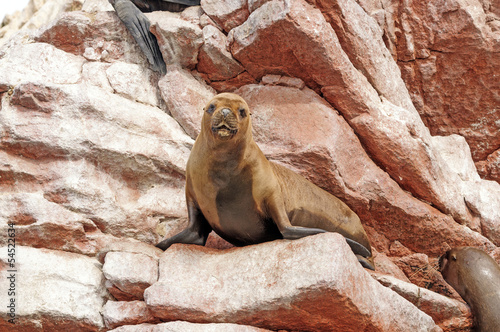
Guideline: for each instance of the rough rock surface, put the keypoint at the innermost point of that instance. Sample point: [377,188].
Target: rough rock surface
[179,326]
[55,290]
[312,284]
[449,314]
[350,93]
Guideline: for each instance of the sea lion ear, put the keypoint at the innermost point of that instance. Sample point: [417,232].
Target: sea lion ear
[454,257]
[210,109]
[243,112]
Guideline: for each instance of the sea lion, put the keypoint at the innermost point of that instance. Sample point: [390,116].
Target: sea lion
[130,13]
[476,277]
[233,189]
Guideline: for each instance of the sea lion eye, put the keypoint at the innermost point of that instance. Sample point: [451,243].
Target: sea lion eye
[211,109]
[243,112]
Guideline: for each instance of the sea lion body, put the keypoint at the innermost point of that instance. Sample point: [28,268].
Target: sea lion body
[233,189]
[476,277]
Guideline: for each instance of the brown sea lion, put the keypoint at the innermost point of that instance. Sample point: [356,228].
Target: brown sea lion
[476,277]
[233,189]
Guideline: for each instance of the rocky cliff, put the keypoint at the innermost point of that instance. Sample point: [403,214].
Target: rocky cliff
[392,106]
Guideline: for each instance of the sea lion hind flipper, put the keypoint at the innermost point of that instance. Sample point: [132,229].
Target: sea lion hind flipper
[185,2]
[365,262]
[297,232]
[138,26]
[358,248]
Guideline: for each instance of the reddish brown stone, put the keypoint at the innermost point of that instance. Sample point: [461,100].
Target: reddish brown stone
[425,273]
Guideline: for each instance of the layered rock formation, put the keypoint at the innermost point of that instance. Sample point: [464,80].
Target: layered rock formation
[351,94]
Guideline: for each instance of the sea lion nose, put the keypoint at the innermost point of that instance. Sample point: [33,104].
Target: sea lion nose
[225,112]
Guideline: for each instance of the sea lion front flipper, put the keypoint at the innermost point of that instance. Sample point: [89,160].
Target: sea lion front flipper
[196,232]
[138,25]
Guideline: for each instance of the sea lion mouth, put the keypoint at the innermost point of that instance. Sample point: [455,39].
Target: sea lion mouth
[223,131]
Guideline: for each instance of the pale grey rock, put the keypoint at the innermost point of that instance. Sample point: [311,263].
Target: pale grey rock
[54,286]
[134,82]
[131,273]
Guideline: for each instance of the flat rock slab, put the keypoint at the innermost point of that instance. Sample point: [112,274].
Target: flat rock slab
[311,284]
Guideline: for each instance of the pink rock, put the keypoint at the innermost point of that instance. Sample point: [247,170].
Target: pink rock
[449,314]
[100,36]
[424,272]
[233,83]
[179,40]
[55,290]
[359,33]
[386,266]
[43,224]
[291,82]
[118,313]
[232,14]
[133,82]
[277,39]
[185,97]
[38,62]
[295,285]
[214,60]
[131,273]
[130,246]
[490,168]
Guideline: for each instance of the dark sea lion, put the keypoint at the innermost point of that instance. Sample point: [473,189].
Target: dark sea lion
[233,189]
[131,14]
[476,277]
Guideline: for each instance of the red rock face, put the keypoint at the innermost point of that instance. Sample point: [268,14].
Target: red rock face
[450,63]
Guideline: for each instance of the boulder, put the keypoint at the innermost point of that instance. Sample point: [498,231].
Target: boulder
[185,97]
[54,290]
[314,283]
[449,314]
[179,40]
[228,16]
[129,274]
[118,313]
[214,60]
[99,36]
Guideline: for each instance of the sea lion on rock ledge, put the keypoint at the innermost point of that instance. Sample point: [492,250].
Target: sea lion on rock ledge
[233,189]
[476,277]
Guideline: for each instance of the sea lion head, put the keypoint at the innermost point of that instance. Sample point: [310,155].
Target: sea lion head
[226,117]
[450,265]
